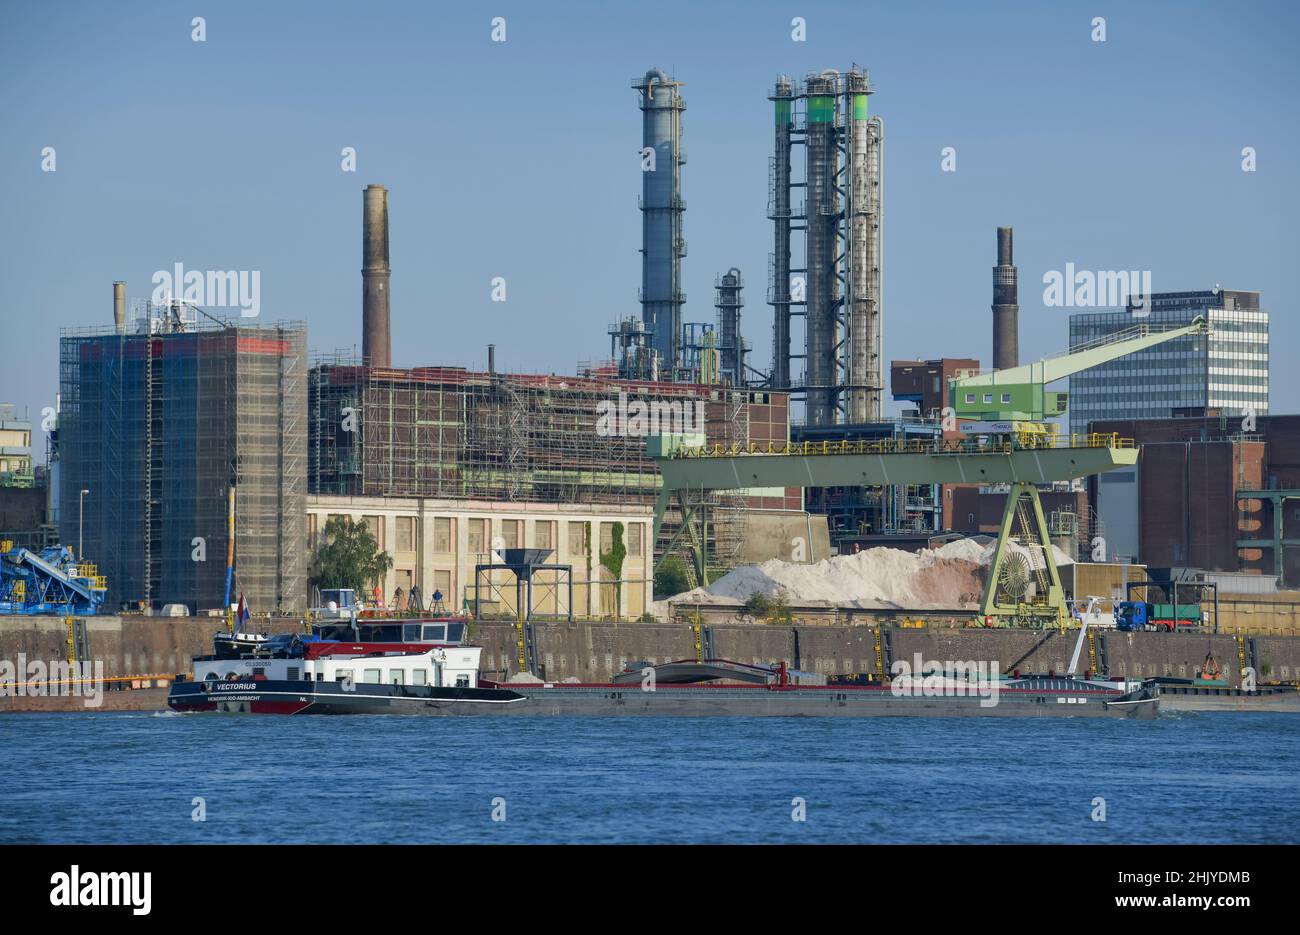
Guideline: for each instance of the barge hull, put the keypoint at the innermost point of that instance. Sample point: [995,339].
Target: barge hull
[269,697]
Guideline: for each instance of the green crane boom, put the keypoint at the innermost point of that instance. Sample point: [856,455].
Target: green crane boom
[1019,393]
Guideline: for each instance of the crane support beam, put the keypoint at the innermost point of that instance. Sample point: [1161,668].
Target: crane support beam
[836,464]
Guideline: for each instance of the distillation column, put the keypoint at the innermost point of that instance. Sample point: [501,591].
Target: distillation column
[662,244]
[730,343]
[864,339]
[823,209]
[779,213]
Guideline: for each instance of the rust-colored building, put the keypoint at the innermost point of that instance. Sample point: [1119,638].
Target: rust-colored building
[1189,502]
[925,382]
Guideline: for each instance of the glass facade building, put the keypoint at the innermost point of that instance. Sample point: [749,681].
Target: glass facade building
[1225,370]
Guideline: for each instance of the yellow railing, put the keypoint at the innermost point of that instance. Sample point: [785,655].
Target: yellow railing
[1025,442]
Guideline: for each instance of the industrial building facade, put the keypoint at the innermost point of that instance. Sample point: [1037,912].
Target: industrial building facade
[1225,370]
[1206,493]
[435,545]
[154,427]
[457,434]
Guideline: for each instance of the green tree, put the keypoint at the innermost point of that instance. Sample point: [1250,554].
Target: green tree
[349,557]
[670,578]
[612,561]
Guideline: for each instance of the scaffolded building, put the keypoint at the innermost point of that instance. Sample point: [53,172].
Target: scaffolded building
[446,432]
[156,423]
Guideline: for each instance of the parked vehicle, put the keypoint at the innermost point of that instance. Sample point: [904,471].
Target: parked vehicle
[1141,615]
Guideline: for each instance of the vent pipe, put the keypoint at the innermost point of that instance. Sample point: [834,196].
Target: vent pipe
[119,307]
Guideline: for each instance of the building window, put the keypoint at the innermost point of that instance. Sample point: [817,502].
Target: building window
[635,536]
[606,538]
[376,526]
[988,397]
[970,397]
[544,535]
[442,582]
[311,531]
[577,538]
[1006,397]
[510,533]
[405,533]
[443,535]
[477,535]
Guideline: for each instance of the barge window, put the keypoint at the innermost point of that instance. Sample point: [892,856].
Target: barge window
[342,675]
[419,677]
[462,681]
[371,676]
[434,633]
[396,677]
[455,632]
[411,633]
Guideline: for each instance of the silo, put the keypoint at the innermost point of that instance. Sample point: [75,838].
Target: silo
[730,343]
[662,244]
[779,212]
[823,209]
[862,276]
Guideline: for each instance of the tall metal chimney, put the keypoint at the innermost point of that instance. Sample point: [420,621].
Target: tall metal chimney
[662,243]
[119,307]
[376,338]
[1006,308]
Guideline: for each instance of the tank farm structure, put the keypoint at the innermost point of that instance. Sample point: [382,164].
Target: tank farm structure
[196,459]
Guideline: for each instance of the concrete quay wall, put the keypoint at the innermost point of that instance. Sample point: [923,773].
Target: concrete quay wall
[594,651]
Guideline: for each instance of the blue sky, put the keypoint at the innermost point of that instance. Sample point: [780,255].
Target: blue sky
[520,159]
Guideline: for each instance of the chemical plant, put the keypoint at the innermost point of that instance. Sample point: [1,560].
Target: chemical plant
[195,458]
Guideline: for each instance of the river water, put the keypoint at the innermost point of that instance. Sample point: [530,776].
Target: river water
[147,778]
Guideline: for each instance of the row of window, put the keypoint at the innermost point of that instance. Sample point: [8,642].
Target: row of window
[480,537]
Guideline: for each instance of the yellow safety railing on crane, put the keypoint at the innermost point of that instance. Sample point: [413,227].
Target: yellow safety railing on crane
[969,445]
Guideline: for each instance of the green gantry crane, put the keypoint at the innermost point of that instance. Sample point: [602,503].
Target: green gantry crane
[1008,441]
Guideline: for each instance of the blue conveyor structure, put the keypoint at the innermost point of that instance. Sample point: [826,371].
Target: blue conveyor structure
[51,582]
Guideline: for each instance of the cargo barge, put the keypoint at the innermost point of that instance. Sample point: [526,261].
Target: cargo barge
[291,675]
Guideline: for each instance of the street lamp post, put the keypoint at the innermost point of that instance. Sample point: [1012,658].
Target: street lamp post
[81,512]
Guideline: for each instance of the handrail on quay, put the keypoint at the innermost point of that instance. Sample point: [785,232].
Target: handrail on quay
[938,446]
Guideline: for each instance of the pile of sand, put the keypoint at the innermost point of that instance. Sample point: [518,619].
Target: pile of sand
[951,576]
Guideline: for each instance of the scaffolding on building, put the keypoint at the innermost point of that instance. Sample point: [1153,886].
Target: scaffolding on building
[456,434]
[156,423]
